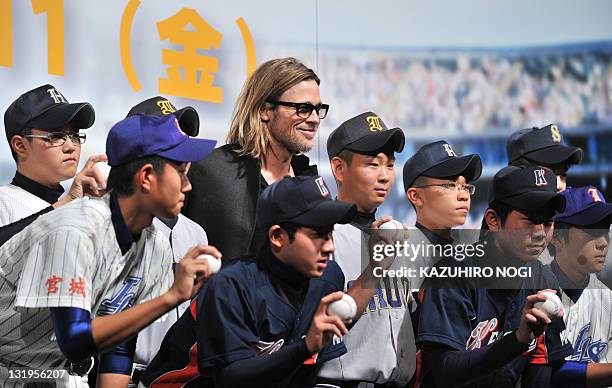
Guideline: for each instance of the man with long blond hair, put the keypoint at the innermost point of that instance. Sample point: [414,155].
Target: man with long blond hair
[275,121]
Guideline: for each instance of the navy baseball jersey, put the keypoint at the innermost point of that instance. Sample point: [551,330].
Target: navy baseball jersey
[240,315]
[463,317]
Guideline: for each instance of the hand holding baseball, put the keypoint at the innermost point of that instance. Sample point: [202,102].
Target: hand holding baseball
[552,306]
[345,308]
[323,326]
[533,320]
[191,272]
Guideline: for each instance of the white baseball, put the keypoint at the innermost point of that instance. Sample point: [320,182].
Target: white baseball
[103,168]
[552,307]
[345,308]
[393,225]
[213,263]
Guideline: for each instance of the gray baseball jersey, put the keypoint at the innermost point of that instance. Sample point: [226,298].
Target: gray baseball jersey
[380,345]
[71,258]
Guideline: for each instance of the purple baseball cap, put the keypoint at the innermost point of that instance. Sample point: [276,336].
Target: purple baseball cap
[584,206]
[143,135]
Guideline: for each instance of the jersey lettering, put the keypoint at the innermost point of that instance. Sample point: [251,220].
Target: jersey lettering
[122,300]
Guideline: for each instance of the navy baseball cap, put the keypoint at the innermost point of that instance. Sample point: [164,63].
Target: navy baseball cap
[143,135]
[303,200]
[160,106]
[364,133]
[526,188]
[439,160]
[542,145]
[47,109]
[585,206]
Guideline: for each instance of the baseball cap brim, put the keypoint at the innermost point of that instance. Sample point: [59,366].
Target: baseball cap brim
[188,120]
[78,115]
[377,140]
[534,200]
[326,214]
[556,154]
[589,216]
[468,166]
[190,150]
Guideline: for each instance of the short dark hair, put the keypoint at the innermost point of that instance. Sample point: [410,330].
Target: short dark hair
[561,231]
[346,155]
[121,178]
[291,229]
[24,132]
[502,211]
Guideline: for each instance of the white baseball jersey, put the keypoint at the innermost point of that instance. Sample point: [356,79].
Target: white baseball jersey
[380,345]
[588,322]
[17,203]
[182,237]
[71,258]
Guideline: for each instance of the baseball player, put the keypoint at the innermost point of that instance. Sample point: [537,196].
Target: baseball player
[438,184]
[362,157]
[543,147]
[263,321]
[486,332]
[182,233]
[42,129]
[88,276]
[581,240]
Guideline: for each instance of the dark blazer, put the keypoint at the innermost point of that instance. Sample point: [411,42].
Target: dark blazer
[224,197]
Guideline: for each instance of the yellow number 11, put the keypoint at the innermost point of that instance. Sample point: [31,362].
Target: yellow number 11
[55,32]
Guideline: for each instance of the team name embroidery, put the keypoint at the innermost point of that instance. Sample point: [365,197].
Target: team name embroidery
[52,283]
[77,287]
[123,299]
[481,332]
[585,348]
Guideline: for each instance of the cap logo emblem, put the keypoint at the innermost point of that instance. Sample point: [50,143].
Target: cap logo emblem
[449,150]
[540,179]
[166,107]
[556,135]
[56,96]
[594,194]
[321,186]
[374,122]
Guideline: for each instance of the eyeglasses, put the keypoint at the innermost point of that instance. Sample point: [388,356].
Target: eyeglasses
[59,138]
[304,109]
[471,189]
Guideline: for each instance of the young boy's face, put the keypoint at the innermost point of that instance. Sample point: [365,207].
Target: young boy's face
[441,202]
[167,195]
[523,236]
[309,252]
[55,163]
[585,249]
[369,179]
